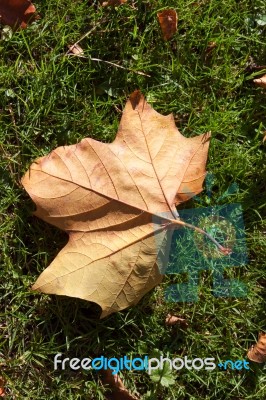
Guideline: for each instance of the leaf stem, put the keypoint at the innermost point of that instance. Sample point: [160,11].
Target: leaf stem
[225,250]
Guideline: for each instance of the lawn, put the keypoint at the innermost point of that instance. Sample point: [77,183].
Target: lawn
[204,76]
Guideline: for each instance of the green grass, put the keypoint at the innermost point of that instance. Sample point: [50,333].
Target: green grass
[48,100]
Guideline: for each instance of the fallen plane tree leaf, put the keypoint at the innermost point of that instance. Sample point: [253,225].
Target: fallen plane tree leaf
[257,353]
[168,23]
[117,201]
[17,13]
[260,81]
[117,387]
[172,320]
[2,387]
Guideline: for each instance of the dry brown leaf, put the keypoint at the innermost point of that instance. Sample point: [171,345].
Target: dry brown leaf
[113,3]
[117,203]
[257,352]
[2,388]
[118,390]
[210,47]
[75,50]
[261,81]
[168,23]
[16,13]
[171,320]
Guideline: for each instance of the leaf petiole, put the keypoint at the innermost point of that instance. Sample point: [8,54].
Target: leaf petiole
[225,250]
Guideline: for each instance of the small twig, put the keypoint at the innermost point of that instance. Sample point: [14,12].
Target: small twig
[120,66]
[7,156]
[259,67]
[83,36]
[10,109]
[9,165]
[68,53]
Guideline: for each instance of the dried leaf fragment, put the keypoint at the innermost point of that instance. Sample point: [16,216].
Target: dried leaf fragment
[168,23]
[75,50]
[116,201]
[17,13]
[171,320]
[257,352]
[211,45]
[113,3]
[118,390]
[261,81]
[2,388]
